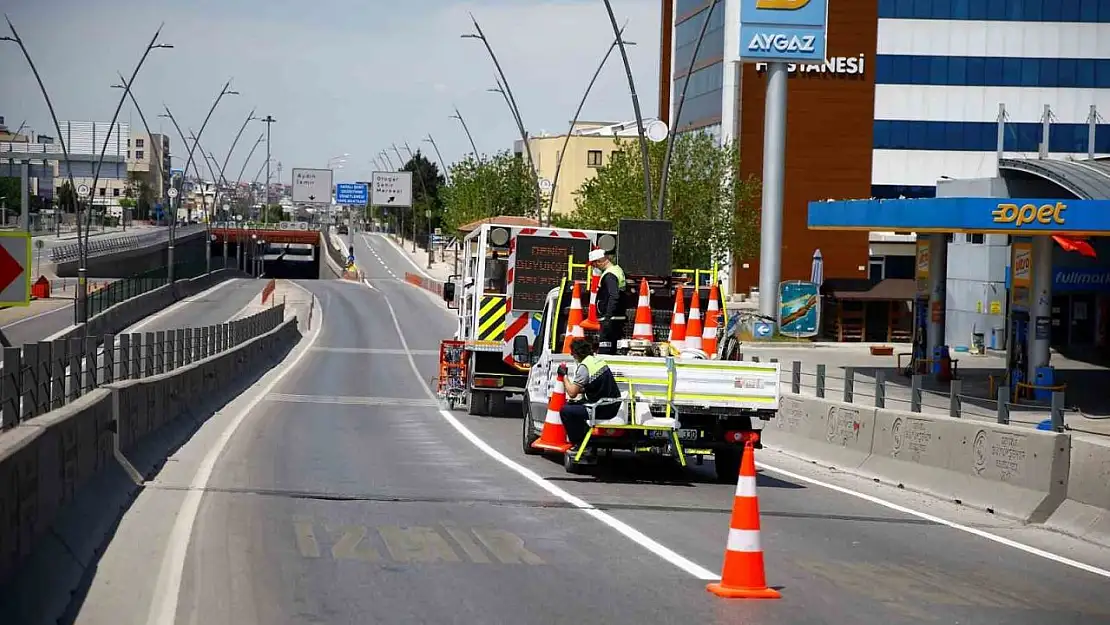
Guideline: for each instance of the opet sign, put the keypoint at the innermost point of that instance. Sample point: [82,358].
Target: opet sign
[1022,215]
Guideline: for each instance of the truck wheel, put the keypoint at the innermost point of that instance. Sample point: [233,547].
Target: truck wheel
[570,465]
[727,464]
[498,404]
[479,403]
[528,432]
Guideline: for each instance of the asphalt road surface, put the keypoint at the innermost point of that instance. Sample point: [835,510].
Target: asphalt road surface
[56,314]
[338,491]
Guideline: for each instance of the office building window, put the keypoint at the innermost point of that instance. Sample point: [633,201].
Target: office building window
[975,237]
[682,8]
[115,192]
[983,136]
[703,95]
[1090,11]
[593,158]
[686,38]
[102,191]
[983,71]
[139,154]
[138,143]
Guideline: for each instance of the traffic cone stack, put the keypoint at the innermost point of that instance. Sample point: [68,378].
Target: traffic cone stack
[678,320]
[642,330]
[574,318]
[743,575]
[554,434]
[592,323]
[712,318]
[693,326]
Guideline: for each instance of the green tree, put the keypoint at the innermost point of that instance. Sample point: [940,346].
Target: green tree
[66,197]
[487,187]
[9,190]
[427,186]
[709,203]
[273,214]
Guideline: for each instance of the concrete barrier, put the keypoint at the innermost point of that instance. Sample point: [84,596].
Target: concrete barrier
[70,463]
[1016,472]
[188,247]
[1086,511]
[426,283]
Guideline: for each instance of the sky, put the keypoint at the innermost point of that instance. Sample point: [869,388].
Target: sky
[339,76]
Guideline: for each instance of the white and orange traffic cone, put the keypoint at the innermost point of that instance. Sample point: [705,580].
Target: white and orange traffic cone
[592,323]
[743,575]
[678,320]
[553,437]
[642,330]
[574,318]
[712,318]
[693,325]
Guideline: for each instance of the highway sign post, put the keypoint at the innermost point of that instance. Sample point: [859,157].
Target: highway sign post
[391,188]
[312,186]
[352,194]
[15,268]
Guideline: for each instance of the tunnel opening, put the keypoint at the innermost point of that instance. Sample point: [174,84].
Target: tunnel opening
[293,261]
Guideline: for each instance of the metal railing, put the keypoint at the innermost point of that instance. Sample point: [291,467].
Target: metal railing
[44,376]
[120,290]
[111,245]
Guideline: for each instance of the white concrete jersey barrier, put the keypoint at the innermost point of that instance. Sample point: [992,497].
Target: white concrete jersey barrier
[1012,471]
[1086,511]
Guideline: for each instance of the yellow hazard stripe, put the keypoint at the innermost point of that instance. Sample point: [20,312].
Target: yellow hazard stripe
[491,318]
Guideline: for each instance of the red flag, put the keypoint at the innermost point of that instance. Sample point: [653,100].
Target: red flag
[1075,244]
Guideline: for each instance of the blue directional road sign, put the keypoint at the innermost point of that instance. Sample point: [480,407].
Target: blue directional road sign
[763,330]
[352,193]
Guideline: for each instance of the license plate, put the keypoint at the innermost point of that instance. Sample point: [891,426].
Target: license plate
[683,435]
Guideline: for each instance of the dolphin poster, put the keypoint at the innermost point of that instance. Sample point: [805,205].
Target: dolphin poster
[800,309]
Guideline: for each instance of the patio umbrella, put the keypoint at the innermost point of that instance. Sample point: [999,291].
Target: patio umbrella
[817,271]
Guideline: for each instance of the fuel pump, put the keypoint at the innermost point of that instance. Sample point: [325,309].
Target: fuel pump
[1018,346]
[920,327]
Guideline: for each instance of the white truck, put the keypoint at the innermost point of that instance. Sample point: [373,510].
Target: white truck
[507,271]
[670,406]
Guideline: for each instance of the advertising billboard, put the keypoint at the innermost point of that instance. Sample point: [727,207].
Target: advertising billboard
[800,309]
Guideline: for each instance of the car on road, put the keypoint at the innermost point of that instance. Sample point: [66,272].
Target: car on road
[343,229]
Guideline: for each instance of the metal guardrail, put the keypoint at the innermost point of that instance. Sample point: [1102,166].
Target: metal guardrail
[111,245]
[121,290]
[40,377]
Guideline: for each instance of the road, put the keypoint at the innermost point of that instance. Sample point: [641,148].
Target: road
[338,491]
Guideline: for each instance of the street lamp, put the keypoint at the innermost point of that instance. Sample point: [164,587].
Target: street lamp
[442,163]
[466,129]
[524,139]
[268,120]
[150,137]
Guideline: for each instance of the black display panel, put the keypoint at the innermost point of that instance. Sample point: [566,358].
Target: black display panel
[541,265]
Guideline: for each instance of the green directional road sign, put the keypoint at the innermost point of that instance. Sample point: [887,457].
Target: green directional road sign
[15,268]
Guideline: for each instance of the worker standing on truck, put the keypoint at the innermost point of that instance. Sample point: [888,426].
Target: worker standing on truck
[592,382]
[611,308]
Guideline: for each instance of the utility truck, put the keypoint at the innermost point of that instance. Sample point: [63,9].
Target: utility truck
[506,274]
[672,405]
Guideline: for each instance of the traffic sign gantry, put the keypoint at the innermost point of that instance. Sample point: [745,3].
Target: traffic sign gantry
[15,268]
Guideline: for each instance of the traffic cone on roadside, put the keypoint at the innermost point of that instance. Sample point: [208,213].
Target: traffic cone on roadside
[574,318]
[592,323]
[743,575]
[678,320]
[642,330]
[554,434]
[712,318]
[693,325]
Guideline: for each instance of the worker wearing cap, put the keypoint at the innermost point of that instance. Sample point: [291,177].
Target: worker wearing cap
[611,310]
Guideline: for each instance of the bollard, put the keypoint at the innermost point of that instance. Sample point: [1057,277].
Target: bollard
[915,392]
[849,384]
[136,357]
[188,346]
[1057,411]
[124,356]
[820,381]
[955,389]
[76,350]
[108,368]
[159,352]
[58,376]
[880,389]
[171,350]
[90,363]
[12,363]
[148,354]
[796,377]
[28,384]
[1003,406]
[179,340]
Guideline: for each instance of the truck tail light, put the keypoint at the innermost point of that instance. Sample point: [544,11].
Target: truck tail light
[608,432]
[484,382]
[740,436]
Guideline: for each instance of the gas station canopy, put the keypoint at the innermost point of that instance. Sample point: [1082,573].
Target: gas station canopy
[1013,216]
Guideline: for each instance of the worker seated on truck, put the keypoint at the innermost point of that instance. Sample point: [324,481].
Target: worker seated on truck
[591,382]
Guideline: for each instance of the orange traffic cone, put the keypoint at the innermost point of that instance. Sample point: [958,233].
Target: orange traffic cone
[743,575]
[574,318]
[592,322]
[693,326]
[642,330]
[678,320]
[554,434]
[712,318]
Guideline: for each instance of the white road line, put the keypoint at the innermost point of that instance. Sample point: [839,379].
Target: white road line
[939,521]
[877,501]
[178,306]
[40,315]
[163,609]
[404,254]
[636,536]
